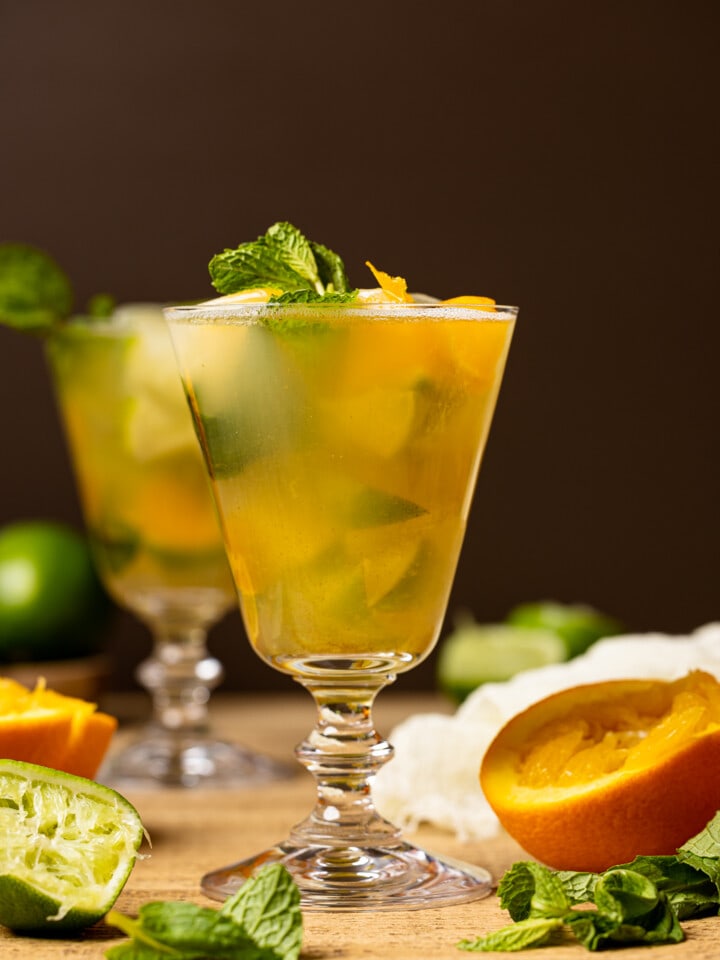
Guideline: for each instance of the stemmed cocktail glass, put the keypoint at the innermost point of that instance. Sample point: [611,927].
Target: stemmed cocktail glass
[155,535]
[343,443]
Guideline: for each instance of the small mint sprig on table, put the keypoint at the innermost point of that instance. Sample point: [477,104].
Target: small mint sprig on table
[641,902]
[284,259]
[262,921]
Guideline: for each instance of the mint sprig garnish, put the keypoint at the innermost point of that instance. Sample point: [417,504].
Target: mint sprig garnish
[35,294]
[283,258]
[262,921]
[633,903]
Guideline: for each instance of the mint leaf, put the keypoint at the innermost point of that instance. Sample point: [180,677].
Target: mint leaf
[251,265]
[597,931]
[372,508]
[261,922]
[283,258]
[267,907]
[311,296]
[330,268]
[529,889]
[101,305]
[690,891]
[187,931]
[296,252]
[703,851]
[578,885]
[141,940]
[638,902]
[535,932]
[625,895]
[35,294]
[630,910]
[193,930]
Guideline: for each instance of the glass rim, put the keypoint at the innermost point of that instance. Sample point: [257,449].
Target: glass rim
[239,310]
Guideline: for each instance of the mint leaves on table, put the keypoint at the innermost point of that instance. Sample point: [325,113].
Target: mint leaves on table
[35,294]
[283,258]
[633,903]
[262,921]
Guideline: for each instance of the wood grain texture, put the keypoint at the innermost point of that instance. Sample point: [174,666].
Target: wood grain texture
[195,831]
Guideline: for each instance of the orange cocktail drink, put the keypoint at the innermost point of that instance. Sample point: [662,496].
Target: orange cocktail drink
[343,443]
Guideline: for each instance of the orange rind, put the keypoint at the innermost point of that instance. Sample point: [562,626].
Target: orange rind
[53,730]
[595,775]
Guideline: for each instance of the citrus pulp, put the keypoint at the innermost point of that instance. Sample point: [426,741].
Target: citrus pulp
[592,776]
[68,847]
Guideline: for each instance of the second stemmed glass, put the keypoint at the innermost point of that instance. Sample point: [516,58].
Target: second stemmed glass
[155,536]
[343,442]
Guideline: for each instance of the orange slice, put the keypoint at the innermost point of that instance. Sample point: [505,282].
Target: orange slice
[593,776]
[252,295]
[471,301]
[53,730]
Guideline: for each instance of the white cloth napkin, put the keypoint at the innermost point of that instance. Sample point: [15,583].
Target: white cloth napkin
[433,777]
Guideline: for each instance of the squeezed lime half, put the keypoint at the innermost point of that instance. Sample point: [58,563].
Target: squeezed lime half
[68,846]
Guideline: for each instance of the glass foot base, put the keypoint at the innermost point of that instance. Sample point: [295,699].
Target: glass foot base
[167,760]
[397,877]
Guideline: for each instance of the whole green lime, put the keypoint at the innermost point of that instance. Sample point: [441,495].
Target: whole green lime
[476,653]
[52,604]
[577,624]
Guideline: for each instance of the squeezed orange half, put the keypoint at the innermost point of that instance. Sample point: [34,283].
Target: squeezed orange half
[595,775]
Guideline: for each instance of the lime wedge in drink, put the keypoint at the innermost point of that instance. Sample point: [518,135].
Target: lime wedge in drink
[68,846]
[159,422]
[475,654]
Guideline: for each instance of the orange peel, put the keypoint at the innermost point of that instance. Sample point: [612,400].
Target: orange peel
[394,287]
[48,728]
[471,301]
[595,775]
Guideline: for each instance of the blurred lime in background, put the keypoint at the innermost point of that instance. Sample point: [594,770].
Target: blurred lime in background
[532,635]
[52,604]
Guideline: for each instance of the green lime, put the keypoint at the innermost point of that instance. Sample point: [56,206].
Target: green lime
[577,625]
[488,653]
[68,846]
[35,294]
[52,603]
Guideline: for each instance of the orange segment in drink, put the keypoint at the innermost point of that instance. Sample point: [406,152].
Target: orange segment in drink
[172,507]
[479,358]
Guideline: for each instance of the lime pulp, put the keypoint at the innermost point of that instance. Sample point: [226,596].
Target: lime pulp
[69,845]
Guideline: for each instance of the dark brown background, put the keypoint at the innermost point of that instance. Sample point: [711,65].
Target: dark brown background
[557,154]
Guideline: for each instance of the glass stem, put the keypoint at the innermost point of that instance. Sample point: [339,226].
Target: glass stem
[343,753]
[179,676]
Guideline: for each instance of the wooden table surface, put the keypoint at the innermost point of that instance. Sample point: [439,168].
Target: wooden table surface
[194,831]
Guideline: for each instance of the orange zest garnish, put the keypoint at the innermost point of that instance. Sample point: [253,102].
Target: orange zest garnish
[598,774]
[394,287]
[470,301]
